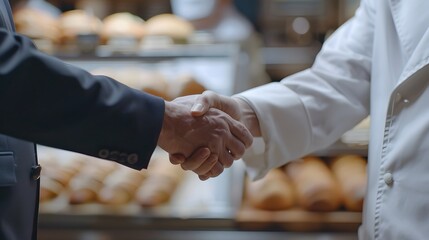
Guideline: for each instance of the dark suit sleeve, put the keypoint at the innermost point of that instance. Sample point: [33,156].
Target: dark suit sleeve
[49,102]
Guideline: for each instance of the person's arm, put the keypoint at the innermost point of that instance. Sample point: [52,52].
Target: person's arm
[309,110]
[49,102]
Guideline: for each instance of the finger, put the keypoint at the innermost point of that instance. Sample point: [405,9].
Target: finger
[226,159]
[177,158]
[216,170]
[203,177]
[235,148]
[207,165]
[196,159]
[240,132]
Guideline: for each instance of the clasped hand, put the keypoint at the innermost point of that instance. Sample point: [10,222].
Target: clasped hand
[203,133]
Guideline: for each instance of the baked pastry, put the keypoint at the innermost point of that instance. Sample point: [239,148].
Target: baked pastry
[56,174]
[120,186]
[84,187]
[122,26]
[350,170]
[184,85]
[77,22]
[316,187]
[162,180]
[169,25]
[36,24]
[273,192]
[149,81]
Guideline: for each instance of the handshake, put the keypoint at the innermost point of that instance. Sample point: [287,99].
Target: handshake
[206,133]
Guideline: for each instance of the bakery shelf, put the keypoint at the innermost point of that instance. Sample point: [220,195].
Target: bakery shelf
[298,220]
[213,65]
[103,52]
[193,199]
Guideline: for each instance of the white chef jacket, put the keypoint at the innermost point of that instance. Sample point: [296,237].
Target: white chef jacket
[377,64]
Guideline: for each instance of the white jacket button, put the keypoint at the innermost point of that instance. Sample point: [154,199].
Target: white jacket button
[388,178]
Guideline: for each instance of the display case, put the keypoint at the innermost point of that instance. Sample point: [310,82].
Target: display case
[213,209]
[213,65]
[211,206]
[194,204]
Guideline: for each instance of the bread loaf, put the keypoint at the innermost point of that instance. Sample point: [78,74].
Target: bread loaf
[316,187]
[48,189]
[149,81]
[169,25]
[56,175]
[273,192]
[350,170]
[123,26]
[161,183]
[77,22]
[85,185]
[184,85]
[121,185]
[36,24]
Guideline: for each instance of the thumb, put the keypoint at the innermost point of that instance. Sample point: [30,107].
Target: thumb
[209,99]
[203,103]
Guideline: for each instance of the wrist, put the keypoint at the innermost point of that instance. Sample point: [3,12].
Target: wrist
[248,117]
[167,127]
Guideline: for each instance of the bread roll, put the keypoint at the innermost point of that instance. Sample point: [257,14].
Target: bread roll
[48,191]
[350,171]
[56,176]
[122,25]
[151,82]
[121,185]
[273,192]
[105,71]
[162,181]
[84,187]
[77,22]
[36,24]
[184,85]
[178,29]
[316,187]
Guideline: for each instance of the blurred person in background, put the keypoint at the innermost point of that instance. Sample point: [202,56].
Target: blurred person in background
[376,64]
[45,101]
[225,24]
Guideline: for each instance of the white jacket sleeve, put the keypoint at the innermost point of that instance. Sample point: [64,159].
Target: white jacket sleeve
[310,110]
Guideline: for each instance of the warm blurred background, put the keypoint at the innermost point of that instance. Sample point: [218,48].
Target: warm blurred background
[172,48]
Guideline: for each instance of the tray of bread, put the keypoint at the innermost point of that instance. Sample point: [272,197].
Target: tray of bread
[309,194]
[80,31]
[76,184]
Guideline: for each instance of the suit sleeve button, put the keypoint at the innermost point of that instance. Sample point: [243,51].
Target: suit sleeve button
[132,158]
[103,153]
